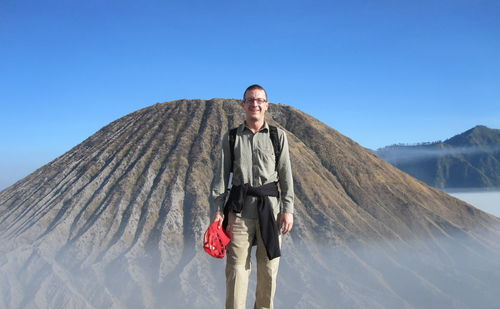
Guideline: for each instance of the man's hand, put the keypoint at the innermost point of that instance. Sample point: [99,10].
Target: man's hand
[219,216]
[285,222]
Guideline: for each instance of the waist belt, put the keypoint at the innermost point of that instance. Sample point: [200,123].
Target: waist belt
[267,223]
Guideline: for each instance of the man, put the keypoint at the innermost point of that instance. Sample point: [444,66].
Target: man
[254,213]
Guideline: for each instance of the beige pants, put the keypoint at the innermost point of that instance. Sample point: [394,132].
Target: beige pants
[238,265]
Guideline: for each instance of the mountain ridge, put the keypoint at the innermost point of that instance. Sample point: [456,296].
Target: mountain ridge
[467,160]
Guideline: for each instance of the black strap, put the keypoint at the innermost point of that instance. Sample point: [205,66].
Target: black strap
[232,141]
[273,134]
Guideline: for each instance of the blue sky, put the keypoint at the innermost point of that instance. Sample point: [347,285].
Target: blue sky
[380,72]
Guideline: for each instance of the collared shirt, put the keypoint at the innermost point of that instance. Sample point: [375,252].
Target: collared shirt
[254,164]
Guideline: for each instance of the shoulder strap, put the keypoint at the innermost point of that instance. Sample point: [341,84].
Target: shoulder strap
[232,141]
[273,134]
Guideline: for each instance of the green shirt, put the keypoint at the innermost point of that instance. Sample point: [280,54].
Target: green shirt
[254,164]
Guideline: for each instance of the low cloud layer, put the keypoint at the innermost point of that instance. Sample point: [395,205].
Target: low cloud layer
[488,201]
[399,155]
[459,271]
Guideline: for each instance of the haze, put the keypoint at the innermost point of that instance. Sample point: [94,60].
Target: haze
[488,201]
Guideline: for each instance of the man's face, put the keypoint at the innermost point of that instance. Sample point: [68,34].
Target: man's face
[255,104]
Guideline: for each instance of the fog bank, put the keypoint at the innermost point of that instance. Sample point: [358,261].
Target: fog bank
[488,201]
[458,271]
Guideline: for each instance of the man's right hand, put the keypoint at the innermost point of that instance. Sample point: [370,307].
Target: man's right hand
[219,216]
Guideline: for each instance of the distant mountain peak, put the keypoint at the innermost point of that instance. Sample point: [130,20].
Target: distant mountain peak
[478,135]
[479,129]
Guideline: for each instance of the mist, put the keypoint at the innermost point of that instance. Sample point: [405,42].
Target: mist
[399,155]
[488,201]
[448,272]
[454,271]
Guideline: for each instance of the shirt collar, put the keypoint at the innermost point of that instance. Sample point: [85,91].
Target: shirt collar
[265,127]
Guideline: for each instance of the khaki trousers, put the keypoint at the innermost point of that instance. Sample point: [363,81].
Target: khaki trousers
[243,232]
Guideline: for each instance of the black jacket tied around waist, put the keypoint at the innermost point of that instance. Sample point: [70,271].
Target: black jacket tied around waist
[267,223]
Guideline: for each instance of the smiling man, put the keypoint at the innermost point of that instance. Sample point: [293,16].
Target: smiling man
[256,167]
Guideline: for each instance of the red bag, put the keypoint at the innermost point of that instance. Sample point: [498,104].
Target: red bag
[215,241]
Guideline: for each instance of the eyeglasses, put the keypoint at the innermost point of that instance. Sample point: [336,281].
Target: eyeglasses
[251,100]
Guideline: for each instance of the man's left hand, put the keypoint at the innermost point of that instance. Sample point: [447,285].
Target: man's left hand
[285,222]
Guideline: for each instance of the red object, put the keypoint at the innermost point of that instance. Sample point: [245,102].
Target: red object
[215,241]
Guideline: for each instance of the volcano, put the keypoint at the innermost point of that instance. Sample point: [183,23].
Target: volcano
[118,221]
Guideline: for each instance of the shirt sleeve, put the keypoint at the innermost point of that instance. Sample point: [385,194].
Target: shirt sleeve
[285,176]
[219,190]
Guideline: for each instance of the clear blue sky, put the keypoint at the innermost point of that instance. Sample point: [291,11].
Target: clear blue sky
[380,72]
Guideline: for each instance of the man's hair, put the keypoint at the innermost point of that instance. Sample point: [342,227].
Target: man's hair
[252,87]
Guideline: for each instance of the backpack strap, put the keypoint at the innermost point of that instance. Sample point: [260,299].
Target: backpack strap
[232,141]
[273,134]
